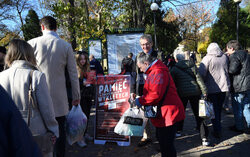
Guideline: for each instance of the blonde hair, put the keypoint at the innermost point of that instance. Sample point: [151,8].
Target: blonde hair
[19,50]
[82,69]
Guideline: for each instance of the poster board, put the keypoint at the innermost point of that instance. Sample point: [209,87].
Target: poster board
[112,95]
[95,48]
[119,45]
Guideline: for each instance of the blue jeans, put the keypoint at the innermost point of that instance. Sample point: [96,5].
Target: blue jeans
[241,109]
[217,99]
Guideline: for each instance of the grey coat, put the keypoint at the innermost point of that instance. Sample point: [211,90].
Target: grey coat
[53,56]
[214,70]
[16,81]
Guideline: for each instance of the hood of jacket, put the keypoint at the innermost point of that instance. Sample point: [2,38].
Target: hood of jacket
[184,64]
[214,49]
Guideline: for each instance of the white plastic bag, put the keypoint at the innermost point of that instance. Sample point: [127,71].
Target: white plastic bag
[206,109]
[75,125]
[132,123]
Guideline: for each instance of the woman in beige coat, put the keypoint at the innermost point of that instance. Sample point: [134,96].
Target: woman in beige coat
[16,80]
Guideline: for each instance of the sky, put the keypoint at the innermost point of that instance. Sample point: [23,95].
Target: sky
[175,5]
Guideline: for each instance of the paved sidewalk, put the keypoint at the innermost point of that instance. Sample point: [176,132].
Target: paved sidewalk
[188,145]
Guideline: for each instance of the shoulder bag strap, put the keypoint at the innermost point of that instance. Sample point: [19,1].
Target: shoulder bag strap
[163,98]
[30,96]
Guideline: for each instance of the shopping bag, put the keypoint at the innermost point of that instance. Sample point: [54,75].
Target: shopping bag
[206,109]
[132,123]
[75,124]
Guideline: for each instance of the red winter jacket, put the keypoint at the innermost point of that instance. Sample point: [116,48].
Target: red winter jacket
[155,86]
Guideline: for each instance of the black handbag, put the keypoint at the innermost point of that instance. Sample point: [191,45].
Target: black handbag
[154,111]
[44,140]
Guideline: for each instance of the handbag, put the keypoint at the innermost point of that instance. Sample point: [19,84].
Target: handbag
[154,111]
[206,109]
[44,140]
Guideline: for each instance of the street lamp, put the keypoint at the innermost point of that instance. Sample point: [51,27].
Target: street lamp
[154,7]
[237,20]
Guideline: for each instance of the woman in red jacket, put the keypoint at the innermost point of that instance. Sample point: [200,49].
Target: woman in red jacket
[157,79]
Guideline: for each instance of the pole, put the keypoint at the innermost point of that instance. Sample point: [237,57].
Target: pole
[155,32]
[237,23]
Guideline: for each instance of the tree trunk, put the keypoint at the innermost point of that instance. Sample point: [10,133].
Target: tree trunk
[71,20]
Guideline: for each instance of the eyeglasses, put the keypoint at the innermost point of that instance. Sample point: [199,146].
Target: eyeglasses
[146,44]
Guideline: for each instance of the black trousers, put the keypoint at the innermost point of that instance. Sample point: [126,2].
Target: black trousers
[59,148]
[200,122]
[166,137]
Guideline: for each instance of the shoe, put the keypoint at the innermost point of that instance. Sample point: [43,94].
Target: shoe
[233,128]
[82,143]
[88,137]
[205,142]
[144,142]
[178,134]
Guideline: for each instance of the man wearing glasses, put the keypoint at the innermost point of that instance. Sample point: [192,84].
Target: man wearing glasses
[146,43]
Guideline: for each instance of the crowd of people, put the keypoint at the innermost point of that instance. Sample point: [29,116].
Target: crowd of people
[34,76]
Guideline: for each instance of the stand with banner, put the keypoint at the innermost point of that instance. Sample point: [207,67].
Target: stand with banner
[112,95]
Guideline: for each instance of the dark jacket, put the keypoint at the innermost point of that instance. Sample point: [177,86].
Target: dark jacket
[127,65]
[15,136]
[187,79]
[95,65]
[239,65]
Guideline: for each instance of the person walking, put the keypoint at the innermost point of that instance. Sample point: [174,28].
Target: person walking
[214,71]
[239,65]
[190,86]
[157,83]
[53,55]
[16,138]
[16,80]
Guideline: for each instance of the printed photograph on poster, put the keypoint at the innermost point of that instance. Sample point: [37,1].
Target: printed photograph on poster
[95,48]
[112,95]
[119,45]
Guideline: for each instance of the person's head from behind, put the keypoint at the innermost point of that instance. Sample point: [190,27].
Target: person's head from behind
[20,50]
[48,23]
[179,57]
[143,61]
[130,55]
[146,42]
[213,47]
[233,46]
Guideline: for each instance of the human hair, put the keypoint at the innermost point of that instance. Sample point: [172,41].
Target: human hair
[147,37]
[20,50]
[49,22]
[234,44]
[144,57]
[82,69]
[130,54]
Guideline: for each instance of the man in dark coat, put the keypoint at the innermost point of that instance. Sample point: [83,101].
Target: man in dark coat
[95,65]
[15,136]
[239,65]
